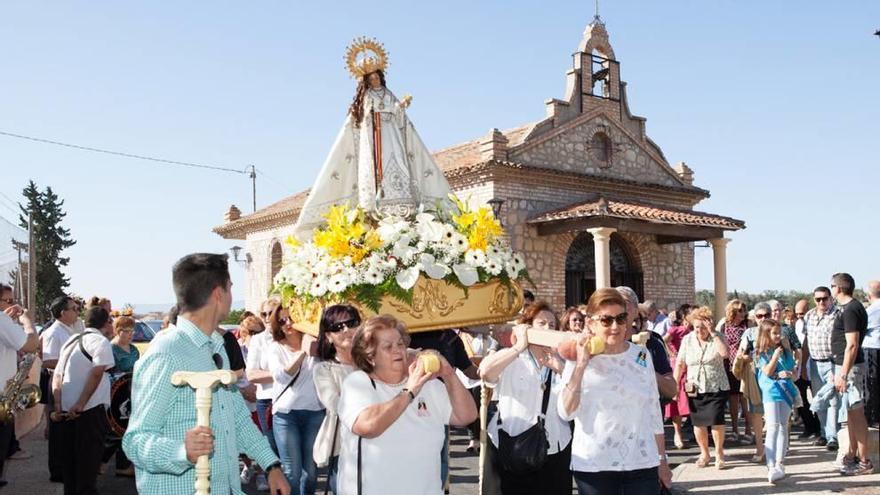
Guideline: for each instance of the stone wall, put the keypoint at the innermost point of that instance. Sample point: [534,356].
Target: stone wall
[259,271]
[570,151]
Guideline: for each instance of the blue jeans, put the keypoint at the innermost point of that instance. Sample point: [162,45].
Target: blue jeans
[776,416]
[264,408]
[822,372]
[295,434]
[444,459]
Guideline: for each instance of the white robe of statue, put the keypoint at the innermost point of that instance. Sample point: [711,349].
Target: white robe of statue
[410,177]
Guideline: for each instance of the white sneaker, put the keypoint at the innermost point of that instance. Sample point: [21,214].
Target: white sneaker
[775,475]
[247,474]
[262,484]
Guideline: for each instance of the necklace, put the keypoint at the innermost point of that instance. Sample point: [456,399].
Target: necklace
[374,94]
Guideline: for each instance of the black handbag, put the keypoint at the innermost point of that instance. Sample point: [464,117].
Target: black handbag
[527,452]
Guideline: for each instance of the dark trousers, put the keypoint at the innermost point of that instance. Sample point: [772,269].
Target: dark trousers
[56,451]
[114,446]
[638,482]
[811,422]
[7,430]
[474,428]
[872,385]
[554,478]
[83,442]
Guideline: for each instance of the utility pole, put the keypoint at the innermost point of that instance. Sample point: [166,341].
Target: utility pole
[253,176]
[32,268]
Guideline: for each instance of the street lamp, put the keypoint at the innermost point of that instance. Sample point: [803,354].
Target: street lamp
[236,251]
[496,205]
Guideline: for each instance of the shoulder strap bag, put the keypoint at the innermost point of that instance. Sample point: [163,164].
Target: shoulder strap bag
[527,452]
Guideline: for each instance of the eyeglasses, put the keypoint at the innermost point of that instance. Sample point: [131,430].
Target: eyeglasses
[218,361]
[351,323]
[799,315]
[761,316]
[608,320]
[821,299]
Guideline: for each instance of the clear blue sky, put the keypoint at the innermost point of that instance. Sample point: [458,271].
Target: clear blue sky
[775,106]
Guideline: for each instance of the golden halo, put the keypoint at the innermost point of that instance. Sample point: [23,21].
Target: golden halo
[365,55]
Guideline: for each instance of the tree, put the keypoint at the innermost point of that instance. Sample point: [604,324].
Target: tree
[234,318]
[50,239]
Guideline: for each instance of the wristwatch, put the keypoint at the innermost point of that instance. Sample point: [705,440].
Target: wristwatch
[274,465]
[412,396]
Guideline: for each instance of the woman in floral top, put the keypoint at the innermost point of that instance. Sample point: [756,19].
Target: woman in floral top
[678,408]
[734,325]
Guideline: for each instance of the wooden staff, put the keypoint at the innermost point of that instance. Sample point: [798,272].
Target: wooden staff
[204,383]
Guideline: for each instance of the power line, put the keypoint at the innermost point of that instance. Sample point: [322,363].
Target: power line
[123,154]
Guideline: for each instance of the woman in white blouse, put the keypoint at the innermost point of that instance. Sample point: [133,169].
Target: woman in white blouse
[296,411]
[394,415]
[335,333]
[520,376]
[618,444]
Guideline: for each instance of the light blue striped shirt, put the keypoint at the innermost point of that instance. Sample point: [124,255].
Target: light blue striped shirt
[162,414]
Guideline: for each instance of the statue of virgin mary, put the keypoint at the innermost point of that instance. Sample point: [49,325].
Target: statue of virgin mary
[378,161]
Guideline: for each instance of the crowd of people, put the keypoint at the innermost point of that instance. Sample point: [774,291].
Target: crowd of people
[360,402]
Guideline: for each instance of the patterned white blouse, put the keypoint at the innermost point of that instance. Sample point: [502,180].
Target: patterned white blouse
[711,376]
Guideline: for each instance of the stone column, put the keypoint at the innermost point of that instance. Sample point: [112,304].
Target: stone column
[602,243]
[719,256]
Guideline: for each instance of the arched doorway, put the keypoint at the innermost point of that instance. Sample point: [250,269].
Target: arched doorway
[580,269]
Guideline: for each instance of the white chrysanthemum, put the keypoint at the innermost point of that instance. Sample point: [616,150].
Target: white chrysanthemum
[466,274]
[458,243]
[318,287]
[374,277]
[493,266]
[475,257]
[337,283]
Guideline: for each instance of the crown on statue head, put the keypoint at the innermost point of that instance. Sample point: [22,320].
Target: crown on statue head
[364,56]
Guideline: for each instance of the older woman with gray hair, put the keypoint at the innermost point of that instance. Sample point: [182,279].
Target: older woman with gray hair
[394,413]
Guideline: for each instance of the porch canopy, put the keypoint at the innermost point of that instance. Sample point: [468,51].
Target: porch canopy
[602,217]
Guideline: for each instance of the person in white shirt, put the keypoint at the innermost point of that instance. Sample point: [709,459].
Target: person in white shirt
[65,310]
[526,379]
[13,339]
[336,331]
[81,390]
[296,411]
[655,321]
[618,444]
[394,414]
[257,370]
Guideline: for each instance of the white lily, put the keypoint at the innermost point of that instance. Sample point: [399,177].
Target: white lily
[466,274]
[407,278]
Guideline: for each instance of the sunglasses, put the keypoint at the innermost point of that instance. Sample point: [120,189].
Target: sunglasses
[608,320]
[265,314]
[284,321]
[761,316]
[218,361]
[821,299]
[351,323]
[799,315]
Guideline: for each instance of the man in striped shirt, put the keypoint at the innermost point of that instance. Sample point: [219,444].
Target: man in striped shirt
[162,440]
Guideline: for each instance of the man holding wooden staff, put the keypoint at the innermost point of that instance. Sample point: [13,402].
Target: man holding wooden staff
[162,439]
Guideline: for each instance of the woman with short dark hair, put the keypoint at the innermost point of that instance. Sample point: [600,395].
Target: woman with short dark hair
[394,413]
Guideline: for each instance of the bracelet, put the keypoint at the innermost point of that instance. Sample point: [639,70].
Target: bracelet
[412,396]
[274,465]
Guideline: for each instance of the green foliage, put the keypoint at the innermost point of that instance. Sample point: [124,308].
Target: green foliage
[50,239]
[234,317]
[788,298]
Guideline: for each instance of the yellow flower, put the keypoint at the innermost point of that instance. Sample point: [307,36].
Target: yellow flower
[293,242]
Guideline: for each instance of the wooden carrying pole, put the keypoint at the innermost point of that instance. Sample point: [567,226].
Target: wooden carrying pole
[204,383]
[32,268]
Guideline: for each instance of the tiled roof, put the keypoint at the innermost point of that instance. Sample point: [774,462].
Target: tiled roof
[285,208]
[630,210]
[468,154]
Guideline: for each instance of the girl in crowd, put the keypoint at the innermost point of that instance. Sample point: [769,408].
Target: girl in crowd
[775,366]
[335,333]
[527,383]
[702,355]
[572,321]
[296,411]
[395,413]
[618,444]
[733,326]
[125,355]
[678,408]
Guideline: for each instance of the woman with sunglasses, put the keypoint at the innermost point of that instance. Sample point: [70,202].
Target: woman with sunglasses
[618,444]
[572,321]
[522,376]
[297,413]
[335,333]
[733,326]
[702,355]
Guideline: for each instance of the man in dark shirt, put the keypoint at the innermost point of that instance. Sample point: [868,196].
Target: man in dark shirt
[847,333]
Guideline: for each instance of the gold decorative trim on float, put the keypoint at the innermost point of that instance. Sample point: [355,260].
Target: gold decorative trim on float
[436,305]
